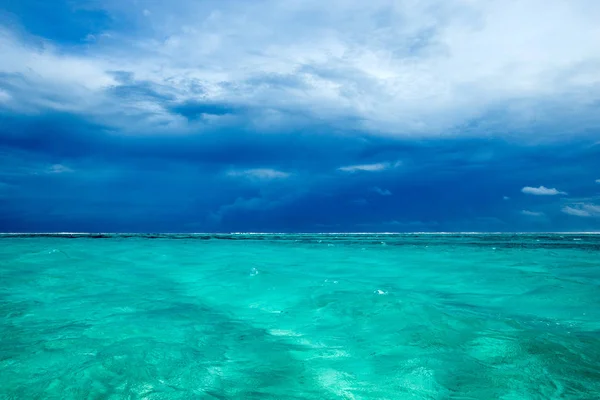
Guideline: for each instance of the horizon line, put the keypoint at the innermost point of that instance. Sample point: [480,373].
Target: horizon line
[309,233]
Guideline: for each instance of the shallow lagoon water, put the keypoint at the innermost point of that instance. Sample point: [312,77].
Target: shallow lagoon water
[300,316]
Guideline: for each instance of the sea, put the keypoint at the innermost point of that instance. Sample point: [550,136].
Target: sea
[300,316]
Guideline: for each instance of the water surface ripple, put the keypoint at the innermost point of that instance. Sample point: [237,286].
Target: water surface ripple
[470,316]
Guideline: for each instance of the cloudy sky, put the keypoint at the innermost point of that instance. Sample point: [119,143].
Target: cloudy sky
[299,115]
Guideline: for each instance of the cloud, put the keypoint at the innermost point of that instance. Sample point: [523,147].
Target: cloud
[46,65]
[157,110]
[364,167]
[259,173]
[597,180]
[532,213]
[4,96]
[383,192]
[370,167]
[33,168]
[541,191]
[407,69]
[506,198]
[582,210]
[59,169]
[146,13]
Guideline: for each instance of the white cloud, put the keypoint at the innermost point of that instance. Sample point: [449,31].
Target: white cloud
[44,76]
[259,173]
[370,167]
[532,213]
[506,198]
[365,167]
[46,64]
[541,191]
[383,192]
[582,210]
[59,169]
[403,68]
[4,96]
[597,180]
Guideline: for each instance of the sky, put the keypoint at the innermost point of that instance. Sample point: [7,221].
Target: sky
[299,116]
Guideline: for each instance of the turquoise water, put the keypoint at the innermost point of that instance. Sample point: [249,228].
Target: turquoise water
[300,317]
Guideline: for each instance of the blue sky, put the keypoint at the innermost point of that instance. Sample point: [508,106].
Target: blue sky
[196,116]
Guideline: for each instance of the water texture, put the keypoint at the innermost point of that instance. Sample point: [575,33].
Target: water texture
[300,316]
